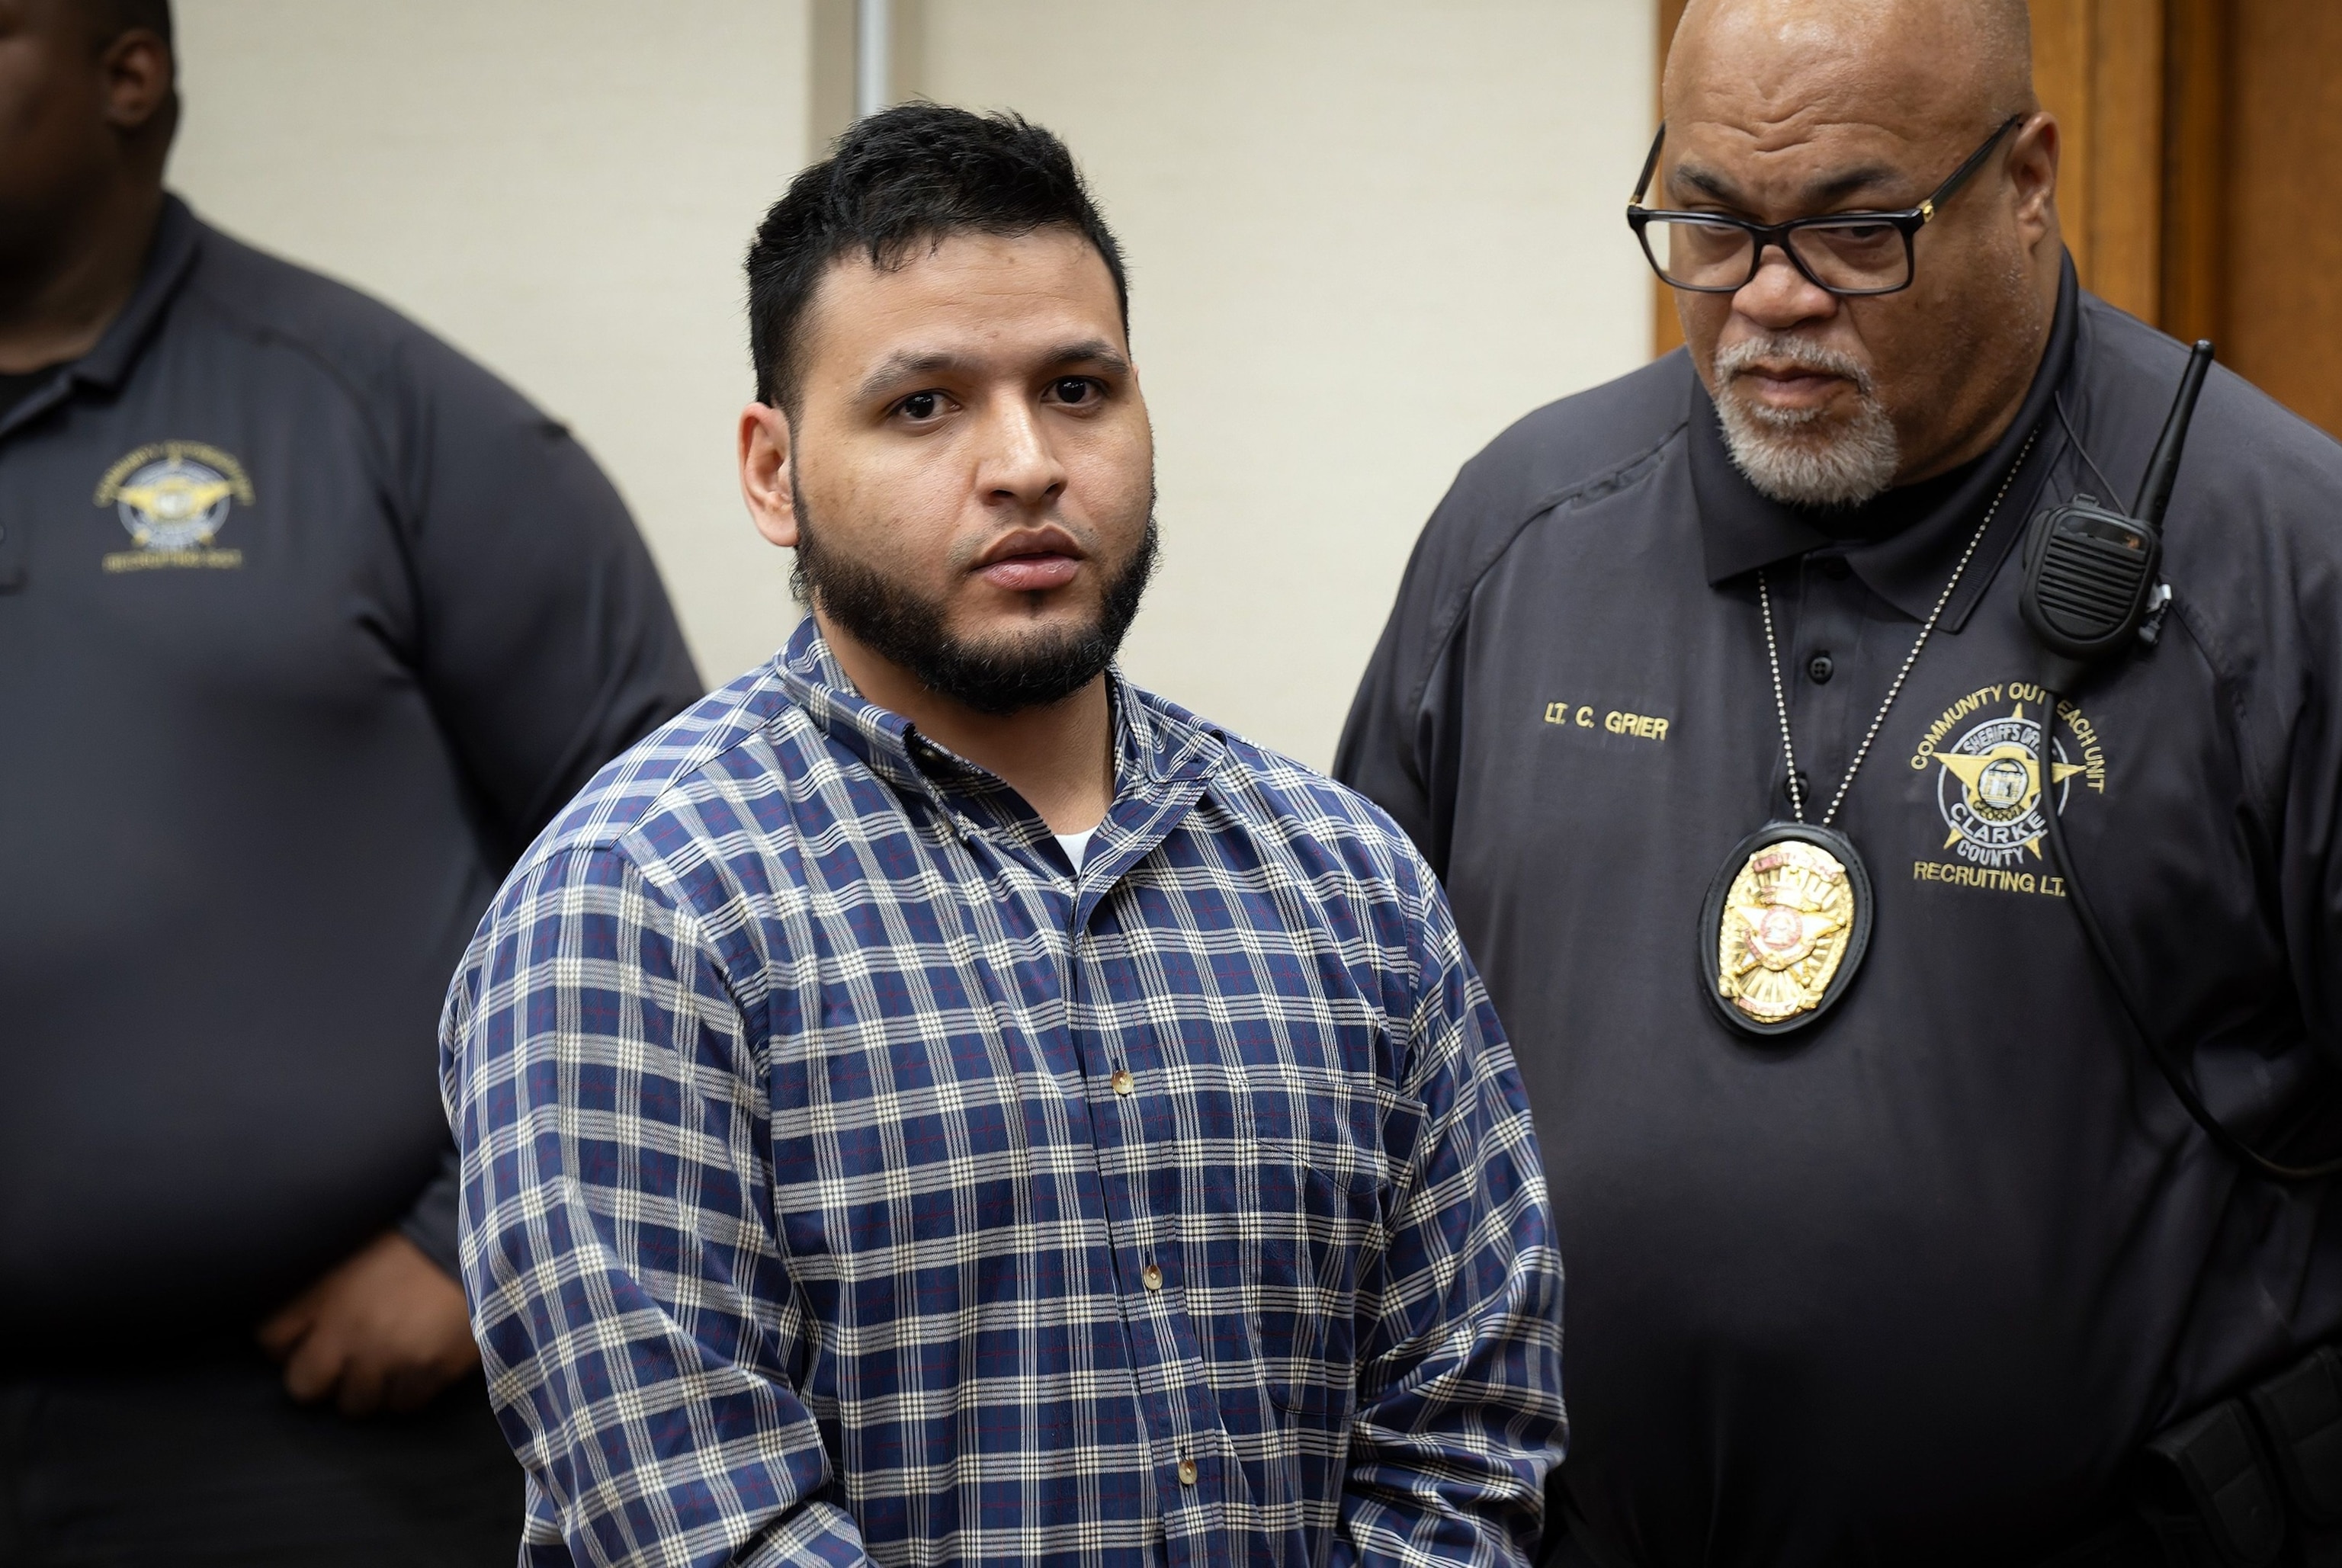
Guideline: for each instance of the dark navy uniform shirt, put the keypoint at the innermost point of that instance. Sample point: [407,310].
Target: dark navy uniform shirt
[1909,1284]
[306,624]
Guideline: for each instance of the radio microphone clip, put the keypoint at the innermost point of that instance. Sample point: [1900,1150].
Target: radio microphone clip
[2092,574]
[2092,585]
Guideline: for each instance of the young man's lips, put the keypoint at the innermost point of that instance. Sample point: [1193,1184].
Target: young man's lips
[1030,574]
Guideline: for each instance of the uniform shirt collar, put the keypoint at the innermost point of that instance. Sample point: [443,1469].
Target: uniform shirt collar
[1903,559]
[169,255]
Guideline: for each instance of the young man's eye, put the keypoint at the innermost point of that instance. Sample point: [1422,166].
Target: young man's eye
[1076,390]
[921,405]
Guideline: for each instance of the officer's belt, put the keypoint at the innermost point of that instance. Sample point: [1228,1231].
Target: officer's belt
[2255,1481]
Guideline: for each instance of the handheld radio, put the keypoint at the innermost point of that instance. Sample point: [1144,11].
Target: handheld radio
[2092,589]
[2091,583]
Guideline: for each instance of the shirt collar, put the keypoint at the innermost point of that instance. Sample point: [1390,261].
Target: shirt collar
[168,259]
[1742,529]
[1158,746]
[169,256]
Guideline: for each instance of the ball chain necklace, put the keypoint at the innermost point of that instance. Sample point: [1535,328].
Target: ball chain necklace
[1788,915]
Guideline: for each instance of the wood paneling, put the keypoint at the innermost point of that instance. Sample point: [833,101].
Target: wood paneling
[2194,168]
[2099,67]
[2281,289]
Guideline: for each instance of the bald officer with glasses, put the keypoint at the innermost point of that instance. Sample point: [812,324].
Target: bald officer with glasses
[1893,1235]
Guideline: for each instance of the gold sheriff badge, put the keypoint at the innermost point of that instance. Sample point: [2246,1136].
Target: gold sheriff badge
[1791,921]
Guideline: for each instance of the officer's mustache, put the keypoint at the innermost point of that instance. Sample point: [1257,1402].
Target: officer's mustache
[1782,350]
[1800,457]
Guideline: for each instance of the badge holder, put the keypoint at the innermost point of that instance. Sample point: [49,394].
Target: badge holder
[1786,925]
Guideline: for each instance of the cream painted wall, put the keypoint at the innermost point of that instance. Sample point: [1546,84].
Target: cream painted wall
[1363,236]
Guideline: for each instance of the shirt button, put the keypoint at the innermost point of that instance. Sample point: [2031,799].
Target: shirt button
[1122,1081]
[1821,667]
[1151,1277]
[1186,1472]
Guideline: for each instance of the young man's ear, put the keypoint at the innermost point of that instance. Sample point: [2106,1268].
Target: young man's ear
[764,474]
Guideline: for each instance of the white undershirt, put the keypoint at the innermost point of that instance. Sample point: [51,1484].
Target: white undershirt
[1077,846]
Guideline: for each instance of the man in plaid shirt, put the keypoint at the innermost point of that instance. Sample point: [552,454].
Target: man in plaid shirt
[934,1102]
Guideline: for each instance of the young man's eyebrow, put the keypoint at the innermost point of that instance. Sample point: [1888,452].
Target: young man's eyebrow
[905,362]
[1091,351]
[908,362]
[1816,196]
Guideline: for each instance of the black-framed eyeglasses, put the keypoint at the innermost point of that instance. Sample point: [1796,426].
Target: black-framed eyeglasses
[1859,253]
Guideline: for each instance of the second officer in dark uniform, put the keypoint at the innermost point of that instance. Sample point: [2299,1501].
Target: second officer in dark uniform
[308,623]
[1887,1241]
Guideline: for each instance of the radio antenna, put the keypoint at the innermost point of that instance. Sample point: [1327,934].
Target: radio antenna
[2163,468]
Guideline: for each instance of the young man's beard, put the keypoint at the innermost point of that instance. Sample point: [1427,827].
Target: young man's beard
[1003,675]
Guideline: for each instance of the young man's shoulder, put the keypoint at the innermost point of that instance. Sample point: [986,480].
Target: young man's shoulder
[1295,816]
[676,786]
[664,808]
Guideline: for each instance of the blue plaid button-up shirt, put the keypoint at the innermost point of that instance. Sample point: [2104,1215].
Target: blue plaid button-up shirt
[846,1175]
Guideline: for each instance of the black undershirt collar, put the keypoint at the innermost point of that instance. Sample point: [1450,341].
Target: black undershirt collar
[1904,543]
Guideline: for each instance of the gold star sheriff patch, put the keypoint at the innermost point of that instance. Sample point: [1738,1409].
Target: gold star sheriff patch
[1991,791]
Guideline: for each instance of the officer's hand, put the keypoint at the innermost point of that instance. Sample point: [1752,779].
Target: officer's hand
[386,1328]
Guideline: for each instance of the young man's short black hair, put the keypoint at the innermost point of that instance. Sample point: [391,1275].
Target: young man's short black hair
[910,176]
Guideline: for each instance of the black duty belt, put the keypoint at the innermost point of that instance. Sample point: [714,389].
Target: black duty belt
[2255,1481]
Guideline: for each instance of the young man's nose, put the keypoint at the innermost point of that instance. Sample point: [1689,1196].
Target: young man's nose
[1020,462]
